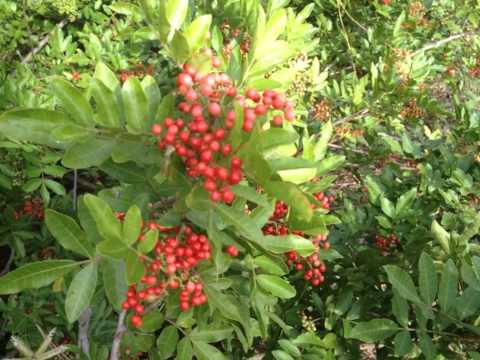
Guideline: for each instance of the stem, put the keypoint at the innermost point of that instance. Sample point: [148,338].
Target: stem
[441,42]
[83,324]
[42,43]
[118,336]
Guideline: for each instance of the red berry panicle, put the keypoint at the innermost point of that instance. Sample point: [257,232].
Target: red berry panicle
[387,244]
[312,266]
[172,269]
[200,138]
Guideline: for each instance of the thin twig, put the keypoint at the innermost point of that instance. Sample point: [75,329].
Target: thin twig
[83,324]
[441,42]
[6,269]
[353,116]
[118,336]
[74,191]
[43,42]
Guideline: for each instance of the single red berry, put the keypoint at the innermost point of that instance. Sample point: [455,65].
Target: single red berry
[136,320]
[228,196]
[231,250]
[214,109]
[184,79]
[156,129]
[277,120]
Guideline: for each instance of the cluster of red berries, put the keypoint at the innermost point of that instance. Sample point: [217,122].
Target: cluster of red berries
[201,139]
[324,199]
[202,142]
[32,208]
[386,244]
[176,255]
[138,71]
[281,210]
[312,266]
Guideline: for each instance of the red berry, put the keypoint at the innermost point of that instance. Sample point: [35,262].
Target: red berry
[156,129]
[216,62]
[228,196]
[215,196]
[277,120]
[136,320]
[184,306]
[184,79]
[231,250]
[214,109]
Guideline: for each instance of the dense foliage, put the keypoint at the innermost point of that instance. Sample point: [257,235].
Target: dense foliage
[240,179]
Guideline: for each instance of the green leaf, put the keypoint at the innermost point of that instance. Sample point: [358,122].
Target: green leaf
[283,244]
[35,275]
[374,189]
[204,351]
[152,321]
[80,292]
[211,334]
[152,92]
[448,286]
[298,176]
[289,347]
[250,194]
[180,48]
[184,349]
[476,266]
[404,202]
[88,153]
[427,278]
[32,185]
[149,241]
[292,195]
[55,186]
[226,305]
[402,282]
[275,137]
[73,102]
[400,309]
[320,148]
[274,266]
[134,269]
[114,282]
[241,222]
[427,346]
[197,32]
[114,249]
[403,343]
[468,304]
[374,330]
[67,232]
[329,164]
[107,224]
[276,286]
[106,76]
[135,105]
[108,114]
[387,207]
[468,276]
[132,225]
[281,355]
[167,342]
[176,12]
[441,235]
[34,125]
